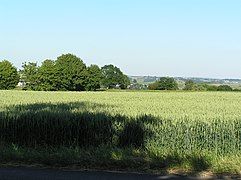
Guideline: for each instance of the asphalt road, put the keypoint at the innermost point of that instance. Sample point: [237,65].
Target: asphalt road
[49,174]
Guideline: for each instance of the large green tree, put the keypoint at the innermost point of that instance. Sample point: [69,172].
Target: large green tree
[9,76]
[29,74]
[113,76]
[48,76]
[72,72]
[94,78]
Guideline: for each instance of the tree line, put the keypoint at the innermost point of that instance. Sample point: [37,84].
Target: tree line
[67,73]
[169,83]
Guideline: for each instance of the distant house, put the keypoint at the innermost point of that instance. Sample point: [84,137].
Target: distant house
[21,84]
[117,86]
[137,86]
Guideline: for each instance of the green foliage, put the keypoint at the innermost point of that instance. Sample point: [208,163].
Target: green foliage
[113,76]
[48,76]
[69,73]
[153,86]
[135,81]
[9,77]
[224,88]
[126,82]
[237,90]
[212,88]
[189,85]
[94,78]
[72,72]
[75,76]
[200,87]
[30,75]
[164,83]
[218,88]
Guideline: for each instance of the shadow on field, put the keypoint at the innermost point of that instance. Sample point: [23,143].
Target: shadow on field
[103,140]
[71,124]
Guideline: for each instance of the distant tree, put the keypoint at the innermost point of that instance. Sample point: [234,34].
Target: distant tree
[167,83]
[9,76]
[72,72]
[189,85]
[164,83]
[200,87]
[126,82]
[153,86]
[224,88]
[113,76]
[134,81]
[30,75]
[237,90]
[212,88]
[94,78]
[48,76]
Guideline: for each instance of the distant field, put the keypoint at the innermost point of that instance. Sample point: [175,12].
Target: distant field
[197,130]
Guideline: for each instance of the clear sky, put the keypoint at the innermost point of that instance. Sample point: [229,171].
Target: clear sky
[200,38]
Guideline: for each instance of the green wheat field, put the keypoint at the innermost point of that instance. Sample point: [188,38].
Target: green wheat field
[157,130]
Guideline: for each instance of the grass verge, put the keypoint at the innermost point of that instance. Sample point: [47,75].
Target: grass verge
[128,159]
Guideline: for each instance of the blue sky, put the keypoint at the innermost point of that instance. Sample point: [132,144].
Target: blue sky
[200,38]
